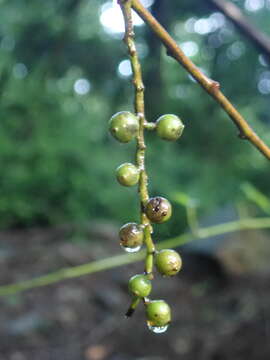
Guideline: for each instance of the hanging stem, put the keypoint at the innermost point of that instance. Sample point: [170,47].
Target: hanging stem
[141,147]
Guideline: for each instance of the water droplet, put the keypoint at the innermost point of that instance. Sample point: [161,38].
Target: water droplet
[131,250]
[157,329]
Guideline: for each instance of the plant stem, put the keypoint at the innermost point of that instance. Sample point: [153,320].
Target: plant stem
[135,302]
[71,272]
[120,260]
[140,112]
[211,86]
[192,219]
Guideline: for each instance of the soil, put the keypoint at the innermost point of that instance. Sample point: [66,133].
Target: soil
[215,315]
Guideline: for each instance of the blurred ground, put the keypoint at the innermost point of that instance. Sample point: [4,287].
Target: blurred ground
[218,318]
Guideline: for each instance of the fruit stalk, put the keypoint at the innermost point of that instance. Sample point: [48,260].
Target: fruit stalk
[141,146]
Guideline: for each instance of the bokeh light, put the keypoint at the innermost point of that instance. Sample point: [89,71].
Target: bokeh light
[124,68]
[254,5]
[190,48]
[111,18]
[20,71]
[264,83]
[82,86]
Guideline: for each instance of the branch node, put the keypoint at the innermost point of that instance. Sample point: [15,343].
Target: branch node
[215,86]
[140,87]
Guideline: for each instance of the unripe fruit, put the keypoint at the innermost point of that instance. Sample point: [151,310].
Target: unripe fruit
[169,127]
[127,174]
[140,286]
[158,209]
[131,235]
[158,313]
[168,262]
[124,126]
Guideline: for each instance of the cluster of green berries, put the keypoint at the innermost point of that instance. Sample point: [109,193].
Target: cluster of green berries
[124,127]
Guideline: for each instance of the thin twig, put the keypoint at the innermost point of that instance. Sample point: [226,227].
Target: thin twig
[211,86]
[120,260]
[233,13]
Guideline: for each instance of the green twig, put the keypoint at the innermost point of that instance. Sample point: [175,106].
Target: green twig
[120,260]
[141,146]
[192,219]
[135,302]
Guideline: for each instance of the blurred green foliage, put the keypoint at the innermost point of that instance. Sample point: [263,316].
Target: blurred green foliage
[59,85]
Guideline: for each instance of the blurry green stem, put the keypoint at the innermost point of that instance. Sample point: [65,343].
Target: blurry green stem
[192,218]
[119,260]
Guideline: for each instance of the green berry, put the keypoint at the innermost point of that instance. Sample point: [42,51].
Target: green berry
[158,209]
[169,127]
[127,174]
[140,286]
[158,313]
[124,126]
[168,262]
[131,235]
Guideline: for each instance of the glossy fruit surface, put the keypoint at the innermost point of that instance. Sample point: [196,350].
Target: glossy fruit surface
[131,235]
[124,126]
[140,286]
[127,174]
[168,262]
[169,127]
[158,313]
[158,209]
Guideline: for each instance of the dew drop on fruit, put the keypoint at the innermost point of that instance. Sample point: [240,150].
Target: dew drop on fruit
[131,249]
[157,329]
